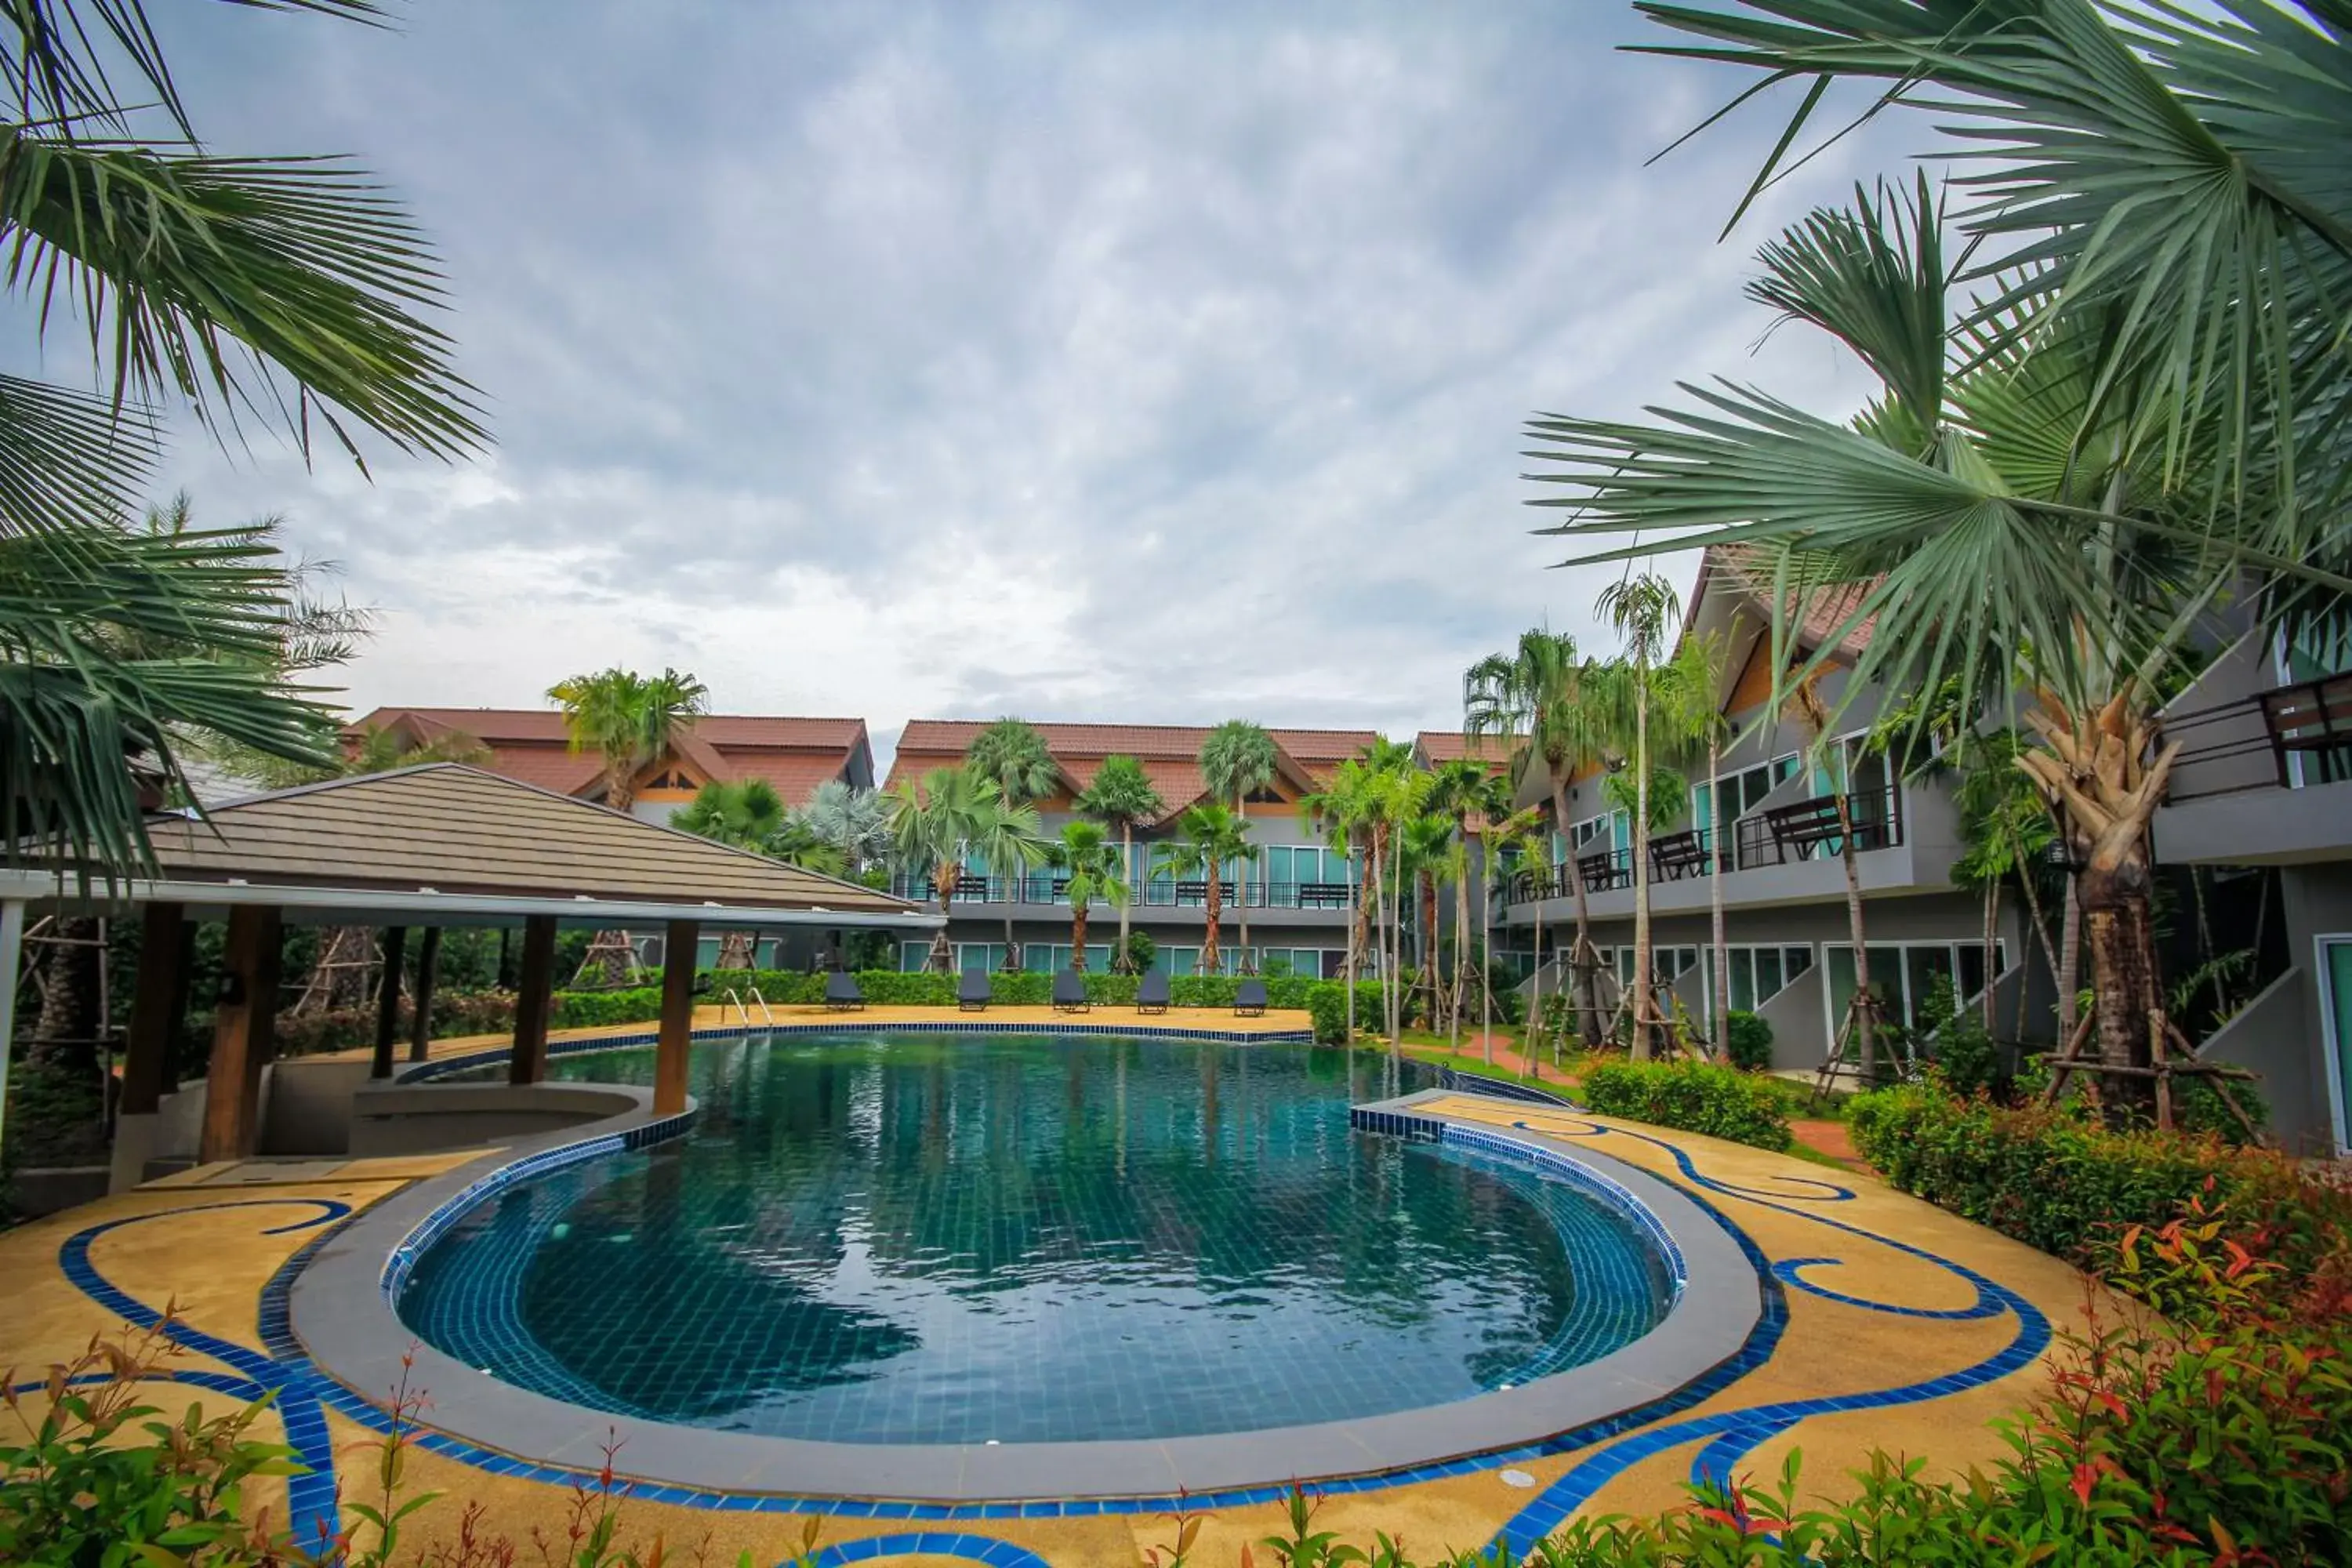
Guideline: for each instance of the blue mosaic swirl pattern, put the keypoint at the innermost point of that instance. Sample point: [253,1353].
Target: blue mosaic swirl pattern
[889,1238]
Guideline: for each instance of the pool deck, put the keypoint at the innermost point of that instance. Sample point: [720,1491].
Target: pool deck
[1887,1324]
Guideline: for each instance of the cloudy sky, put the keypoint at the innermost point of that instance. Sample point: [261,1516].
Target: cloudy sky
[1097,360]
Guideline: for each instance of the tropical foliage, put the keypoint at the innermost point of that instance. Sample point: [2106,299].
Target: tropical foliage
[951,815]
[1089,868]
[1237,760]
[1014,755]
[750,815]
[275,288]
[628,720]
[1208,837]
[1121,796]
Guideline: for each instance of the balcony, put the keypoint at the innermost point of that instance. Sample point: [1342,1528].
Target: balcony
[1798,834]
[2264,777]
[1052,889]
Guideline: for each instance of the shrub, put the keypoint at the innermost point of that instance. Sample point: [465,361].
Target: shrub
[1327,1005]
[2055,1180]
[1141,950]
[1694,1097]
[1749,1040]
[455,1013]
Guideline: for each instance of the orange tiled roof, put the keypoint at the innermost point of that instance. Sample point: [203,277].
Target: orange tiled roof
[1455,745]
[1170,753]
[1820,609]
[795,755]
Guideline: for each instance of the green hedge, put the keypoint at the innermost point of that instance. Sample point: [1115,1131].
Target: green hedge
[1749,1041]
[2055,1180]
[898,988]
[1327,1005]
[1694,1097]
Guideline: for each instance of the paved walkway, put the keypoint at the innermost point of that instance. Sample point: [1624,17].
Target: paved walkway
[1889,1324]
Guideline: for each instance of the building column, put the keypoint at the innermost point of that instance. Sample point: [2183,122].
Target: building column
[676,1039]
[12,948]
[534,1001]
[242,1026]
[428,965]
[147,1046]
[387,1001]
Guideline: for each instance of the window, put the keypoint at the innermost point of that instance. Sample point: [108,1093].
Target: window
[1178,960]
[1759,973]
[2336,1016]
[912,956]
[1051,958]
[1903,974]
[1744,791]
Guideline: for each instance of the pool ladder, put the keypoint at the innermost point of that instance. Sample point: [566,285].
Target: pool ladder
[766,1014]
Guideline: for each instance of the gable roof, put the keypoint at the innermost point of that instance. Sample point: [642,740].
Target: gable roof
[459,831]
[795,755]
[1819,609]
[1436,746]
[1170,753]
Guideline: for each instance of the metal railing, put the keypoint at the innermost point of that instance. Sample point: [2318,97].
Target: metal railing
[1154,893]
[1810,829]
[2309,719]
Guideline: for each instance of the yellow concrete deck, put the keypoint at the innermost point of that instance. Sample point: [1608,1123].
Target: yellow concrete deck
[210,1241]
[1273,1021]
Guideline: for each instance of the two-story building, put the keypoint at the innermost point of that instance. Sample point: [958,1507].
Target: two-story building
[1764,825]
[2262,788]
[795,755]
[1299,895]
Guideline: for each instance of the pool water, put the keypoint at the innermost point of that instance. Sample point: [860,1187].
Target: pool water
[941,1238]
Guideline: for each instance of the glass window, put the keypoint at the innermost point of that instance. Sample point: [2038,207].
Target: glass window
[912,954]
[1743,979]
[1180,960]
[1922,968]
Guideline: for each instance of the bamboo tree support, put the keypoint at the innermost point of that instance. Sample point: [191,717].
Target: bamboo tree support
[1847,1047]
[609,953]
[2163,1038]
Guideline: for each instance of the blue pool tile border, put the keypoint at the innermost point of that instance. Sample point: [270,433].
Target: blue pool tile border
[490,1056]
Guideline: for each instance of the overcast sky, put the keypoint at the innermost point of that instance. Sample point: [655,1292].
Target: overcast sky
[1095,360]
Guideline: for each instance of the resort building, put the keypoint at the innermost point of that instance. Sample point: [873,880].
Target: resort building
[1765,823]
[1298,895]
[2261,796]
[793,754]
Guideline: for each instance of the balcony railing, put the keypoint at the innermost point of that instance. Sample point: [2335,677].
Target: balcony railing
[1810,830]
[2308,719]
[1052,889]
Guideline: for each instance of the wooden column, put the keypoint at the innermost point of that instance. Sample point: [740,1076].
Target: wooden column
[387,1001]
[154,1012]
[534,999]
[428,963]
[241,1034]
[671,1052]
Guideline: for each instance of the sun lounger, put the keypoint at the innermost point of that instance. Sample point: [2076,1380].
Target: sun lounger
[1151,991]
[971,991]
[1070,992]
[842,993]
[1249,998]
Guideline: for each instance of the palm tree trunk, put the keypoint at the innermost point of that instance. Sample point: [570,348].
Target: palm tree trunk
[943,883]
[1716,873]
[1429,939]
[1529,1036]
[1212,902]
[1460,936]
[1642,1051]
[1588,995]
[1865,1036]
[1240,815]
[2070,958]
[2040,932]
[1355,944]
[1991,922]
[1485,953]
[1079,934]
[1118,962]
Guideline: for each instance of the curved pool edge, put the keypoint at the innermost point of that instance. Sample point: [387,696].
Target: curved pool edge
[341,1310]
[589,1045]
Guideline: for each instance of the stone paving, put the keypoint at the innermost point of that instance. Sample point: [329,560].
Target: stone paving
[1889,1325]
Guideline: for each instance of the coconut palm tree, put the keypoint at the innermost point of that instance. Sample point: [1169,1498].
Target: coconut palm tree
[1690,686]
[1013,753]
[1424,848]
[952,814]
[1400,791]
[1210,834]
[1120,796]
[1237,760]
[1094,871]
[1456,789]
[1342,811]
[1506,833]
[282,289]
[1644,611]
[627,719]
[2133,419]
[1535,697]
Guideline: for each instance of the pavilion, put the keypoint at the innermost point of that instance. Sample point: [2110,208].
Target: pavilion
[432,846]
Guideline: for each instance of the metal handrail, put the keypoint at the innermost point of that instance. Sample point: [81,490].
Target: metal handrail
[731,996]
[767,1014]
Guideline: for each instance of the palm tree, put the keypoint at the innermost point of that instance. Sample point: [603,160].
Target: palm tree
[1343,810]
[277,288]
[1424,848]
[1456,789]
[952,814]
[1121,796]
[1644,612]
[1084,856]
[1012,754]
[627,719]
[1692,684]
[1211,835]
[1399,792]
[1237,760]
[2132,422]
[1535,695]
[1505,832]
[854,823]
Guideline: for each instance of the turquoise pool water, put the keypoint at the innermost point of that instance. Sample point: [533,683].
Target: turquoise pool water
[940,1239]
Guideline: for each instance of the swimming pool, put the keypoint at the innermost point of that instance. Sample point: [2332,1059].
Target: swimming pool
[929,1238]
